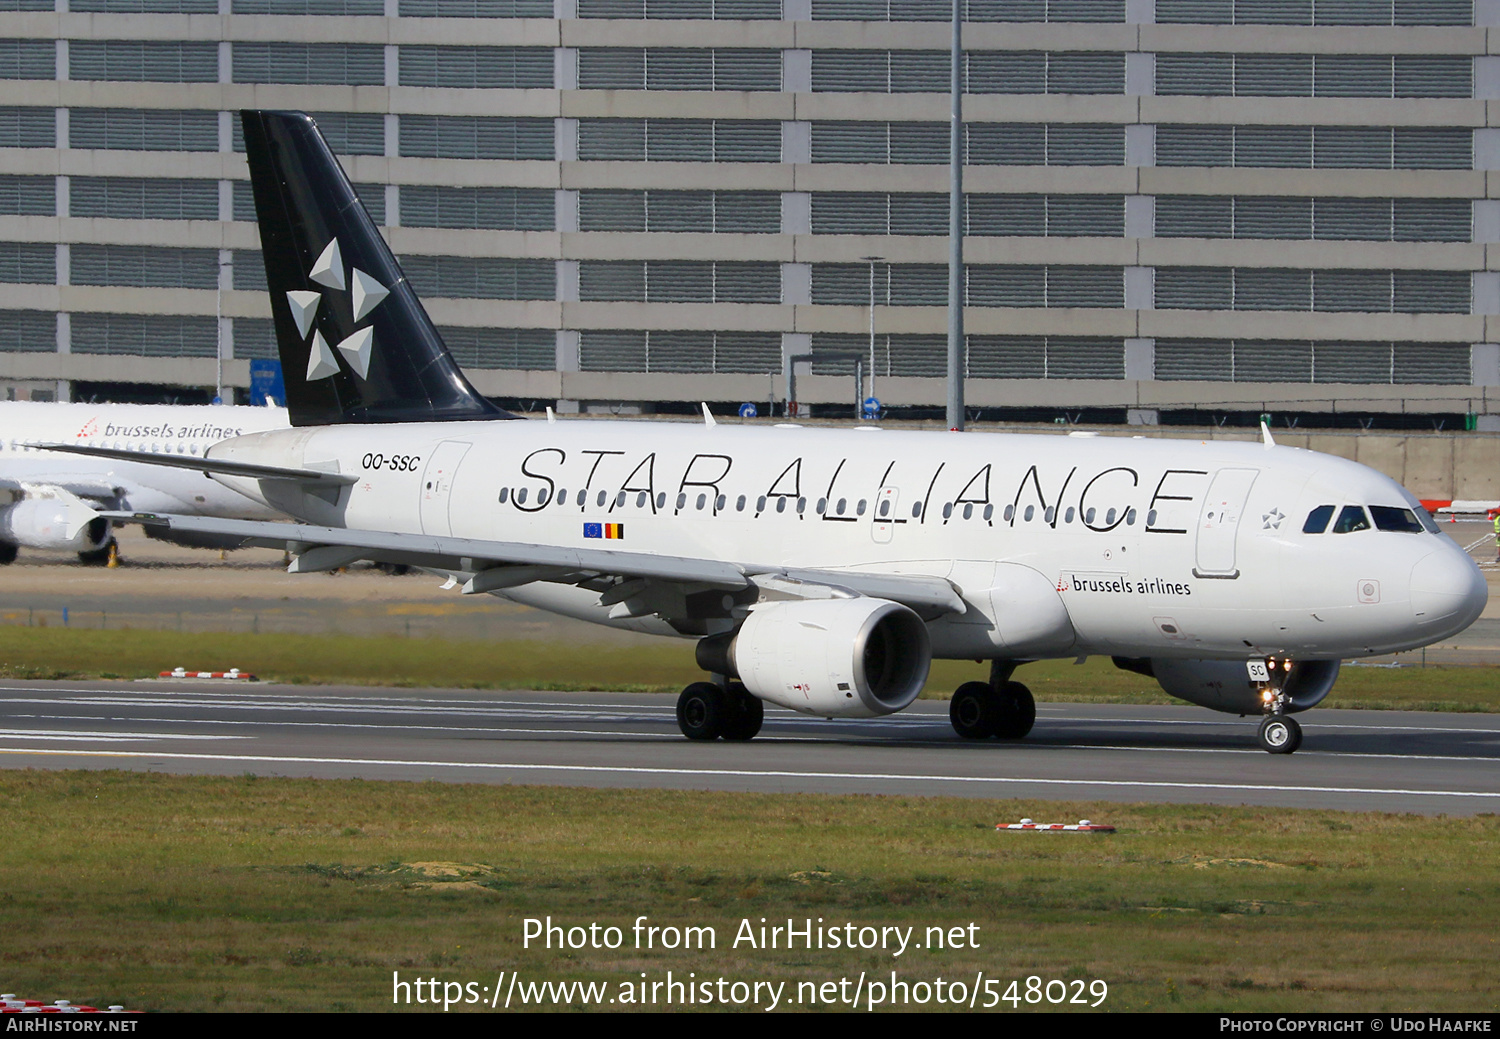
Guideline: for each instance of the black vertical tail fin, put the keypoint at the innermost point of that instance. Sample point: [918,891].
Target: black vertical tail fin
[355,343]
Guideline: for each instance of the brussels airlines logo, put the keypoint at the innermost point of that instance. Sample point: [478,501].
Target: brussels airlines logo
[367,294]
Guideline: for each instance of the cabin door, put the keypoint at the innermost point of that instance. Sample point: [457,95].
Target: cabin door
[1219,522]
[437,486]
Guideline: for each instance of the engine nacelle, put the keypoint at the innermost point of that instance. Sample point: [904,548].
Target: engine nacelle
[1224,685]
[836,658]
[53,523]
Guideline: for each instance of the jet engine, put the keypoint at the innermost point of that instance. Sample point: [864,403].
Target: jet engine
[1224,685]
[836,658]
[54,523]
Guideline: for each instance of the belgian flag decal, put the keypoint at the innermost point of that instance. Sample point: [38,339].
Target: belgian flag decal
[610,531]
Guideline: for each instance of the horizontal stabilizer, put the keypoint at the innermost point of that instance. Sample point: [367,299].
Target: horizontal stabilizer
[207,465]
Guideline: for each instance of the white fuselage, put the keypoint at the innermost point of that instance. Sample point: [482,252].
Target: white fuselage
[1059,545]
[151,429]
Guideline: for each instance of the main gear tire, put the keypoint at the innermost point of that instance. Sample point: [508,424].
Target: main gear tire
[743,715]
[1017,711]
[974,711]
[702,711]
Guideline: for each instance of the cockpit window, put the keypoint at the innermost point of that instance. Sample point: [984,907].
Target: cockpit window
[1352,518]
[1317,520]
[1399,520]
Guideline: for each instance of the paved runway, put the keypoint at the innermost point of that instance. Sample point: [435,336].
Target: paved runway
[1391,761]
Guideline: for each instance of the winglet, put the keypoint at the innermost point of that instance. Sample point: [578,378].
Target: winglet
[1265,435]
[708,416]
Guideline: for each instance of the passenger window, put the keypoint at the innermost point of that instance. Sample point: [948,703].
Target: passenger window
[916,509]
[780,503]
[1352,518]
[702,501]
[582,497]
[1400,520]
[739,504]
[1317,520]
[661,499]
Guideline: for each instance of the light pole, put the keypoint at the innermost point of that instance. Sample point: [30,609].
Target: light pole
[872,261]
[956,230]
[224,265]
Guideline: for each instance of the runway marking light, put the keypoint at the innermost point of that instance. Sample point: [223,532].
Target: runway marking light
[232,674]
[1082,826]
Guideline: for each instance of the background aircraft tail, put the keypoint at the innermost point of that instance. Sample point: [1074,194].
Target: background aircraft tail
[355,343]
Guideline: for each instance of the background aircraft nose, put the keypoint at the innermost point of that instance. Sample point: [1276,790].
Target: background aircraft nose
[1447,587]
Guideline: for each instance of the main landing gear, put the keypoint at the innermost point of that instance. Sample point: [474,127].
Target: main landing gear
[998,707]
[706,711]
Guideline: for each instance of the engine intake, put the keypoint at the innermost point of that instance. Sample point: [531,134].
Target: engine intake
[836,658]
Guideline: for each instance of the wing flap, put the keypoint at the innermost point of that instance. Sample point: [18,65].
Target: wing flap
[488,560]
[450,553]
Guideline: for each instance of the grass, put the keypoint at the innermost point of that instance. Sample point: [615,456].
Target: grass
[61,653]
[202,893]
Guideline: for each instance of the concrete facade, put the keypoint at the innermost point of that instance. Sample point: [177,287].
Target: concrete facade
[1120,341]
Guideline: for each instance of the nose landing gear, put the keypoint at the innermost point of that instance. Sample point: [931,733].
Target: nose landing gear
[1278,733]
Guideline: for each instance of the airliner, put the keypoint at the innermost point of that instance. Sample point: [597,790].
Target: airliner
[821,570]
[55,500]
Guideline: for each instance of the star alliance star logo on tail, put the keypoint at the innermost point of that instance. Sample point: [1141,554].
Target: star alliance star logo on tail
[367,293]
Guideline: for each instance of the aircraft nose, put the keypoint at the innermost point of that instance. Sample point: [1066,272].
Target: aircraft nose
[1448,588]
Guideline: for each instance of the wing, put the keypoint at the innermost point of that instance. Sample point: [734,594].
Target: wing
[631,583]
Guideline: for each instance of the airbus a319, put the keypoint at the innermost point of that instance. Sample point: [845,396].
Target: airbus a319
[818,569]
